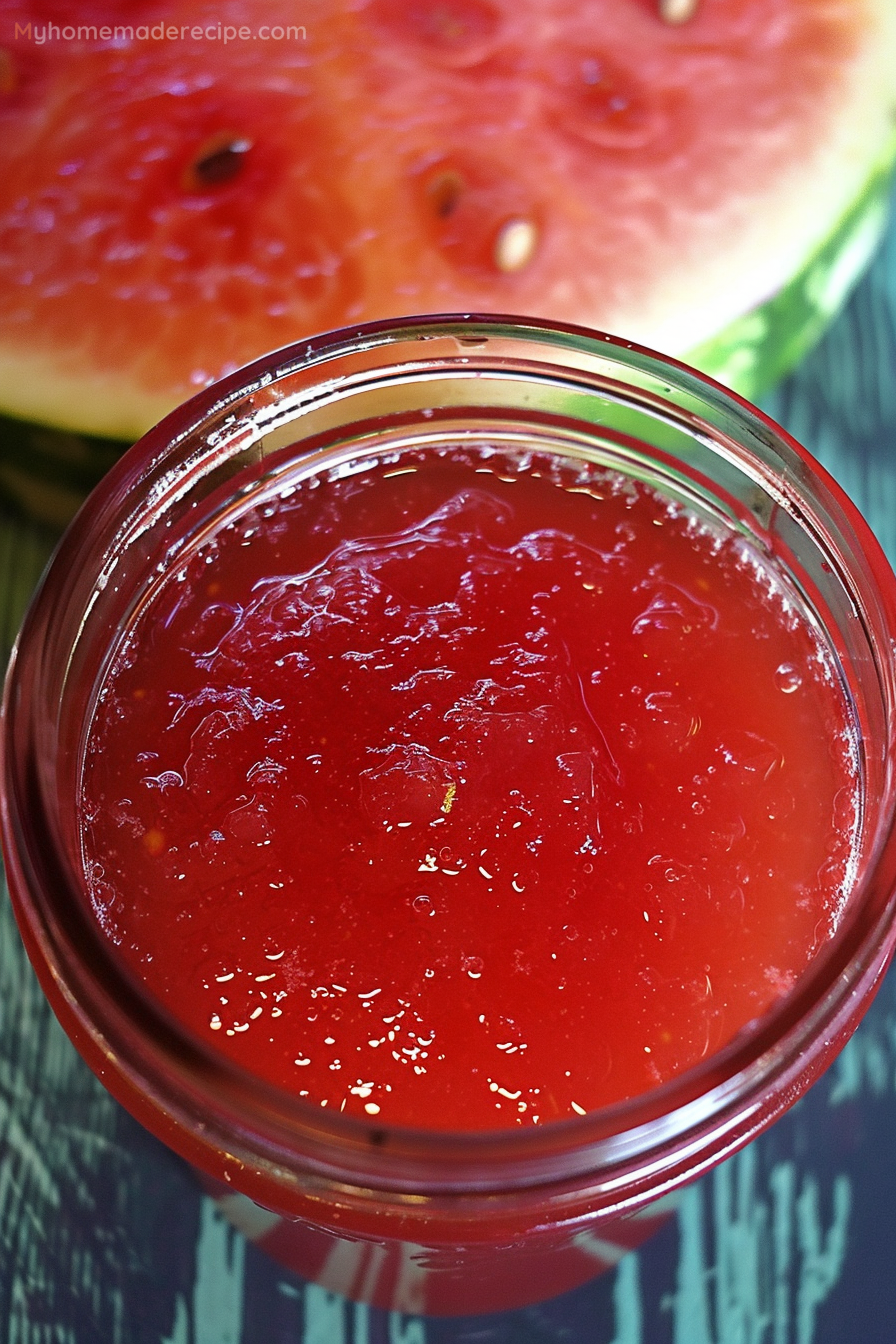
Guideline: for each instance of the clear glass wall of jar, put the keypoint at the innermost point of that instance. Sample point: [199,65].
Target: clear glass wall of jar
[423,1221]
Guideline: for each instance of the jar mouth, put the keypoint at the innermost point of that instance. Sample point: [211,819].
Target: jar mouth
[237,436]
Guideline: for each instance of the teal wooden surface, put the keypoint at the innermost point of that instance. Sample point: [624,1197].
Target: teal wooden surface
[104,1239]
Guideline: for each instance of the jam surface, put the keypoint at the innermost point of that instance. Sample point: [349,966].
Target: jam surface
[469,790]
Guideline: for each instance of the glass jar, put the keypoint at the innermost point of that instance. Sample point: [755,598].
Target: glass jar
[408,1219]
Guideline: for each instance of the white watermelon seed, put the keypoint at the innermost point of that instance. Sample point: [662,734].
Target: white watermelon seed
[515,244]
[677,11]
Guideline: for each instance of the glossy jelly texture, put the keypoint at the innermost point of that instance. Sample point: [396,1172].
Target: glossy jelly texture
[466,789]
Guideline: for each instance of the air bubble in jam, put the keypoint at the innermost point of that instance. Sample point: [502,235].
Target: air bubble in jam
[788,678]
[469,729]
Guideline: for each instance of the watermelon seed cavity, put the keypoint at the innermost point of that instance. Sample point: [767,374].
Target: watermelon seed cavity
[445,192]
[218,161]
[457,33]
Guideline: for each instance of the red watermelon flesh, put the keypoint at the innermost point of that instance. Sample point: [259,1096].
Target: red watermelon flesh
[171,207]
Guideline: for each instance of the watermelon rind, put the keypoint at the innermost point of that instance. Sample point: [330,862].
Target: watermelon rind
[757,349]
[46,472]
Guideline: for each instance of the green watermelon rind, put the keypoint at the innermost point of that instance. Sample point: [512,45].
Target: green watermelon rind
[46,473]
[757,349]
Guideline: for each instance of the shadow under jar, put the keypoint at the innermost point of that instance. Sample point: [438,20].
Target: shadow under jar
[447,795]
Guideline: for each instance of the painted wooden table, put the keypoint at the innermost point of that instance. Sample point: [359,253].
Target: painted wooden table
[105,1239]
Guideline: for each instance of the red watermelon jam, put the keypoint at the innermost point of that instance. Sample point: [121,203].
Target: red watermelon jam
[469,790]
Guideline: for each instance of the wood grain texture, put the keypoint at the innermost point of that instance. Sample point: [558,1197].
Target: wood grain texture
[841,403]
[104,1239]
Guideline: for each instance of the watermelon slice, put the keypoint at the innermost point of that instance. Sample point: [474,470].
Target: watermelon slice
[702,176]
